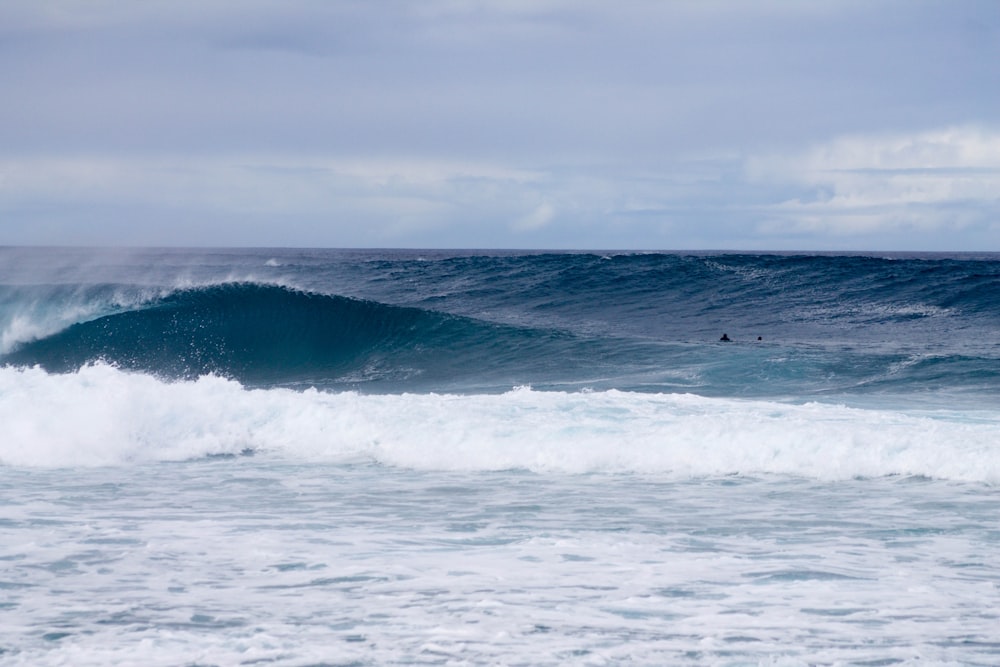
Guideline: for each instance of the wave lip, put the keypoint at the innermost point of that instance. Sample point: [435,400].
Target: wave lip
[111,417]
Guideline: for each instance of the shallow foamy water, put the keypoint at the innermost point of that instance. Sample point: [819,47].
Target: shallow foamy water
[263,560]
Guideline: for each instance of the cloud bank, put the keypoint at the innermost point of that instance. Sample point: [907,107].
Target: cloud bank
[554,124]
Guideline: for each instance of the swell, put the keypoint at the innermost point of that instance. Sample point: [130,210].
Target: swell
[690,298]
[831,325]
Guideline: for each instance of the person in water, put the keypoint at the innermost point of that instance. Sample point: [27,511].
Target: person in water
[726,338]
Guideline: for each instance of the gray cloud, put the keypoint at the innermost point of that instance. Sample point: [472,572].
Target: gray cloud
[641,124]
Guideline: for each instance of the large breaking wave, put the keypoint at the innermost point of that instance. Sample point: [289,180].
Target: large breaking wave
[269,334]
[103,416]
[831,326]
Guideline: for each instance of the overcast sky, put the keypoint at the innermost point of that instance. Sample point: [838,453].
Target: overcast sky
[633,124]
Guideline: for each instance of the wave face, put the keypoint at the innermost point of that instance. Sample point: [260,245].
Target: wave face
[829,326]
[258,334]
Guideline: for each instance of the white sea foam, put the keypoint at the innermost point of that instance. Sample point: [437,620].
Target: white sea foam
[253,561]
[103,416]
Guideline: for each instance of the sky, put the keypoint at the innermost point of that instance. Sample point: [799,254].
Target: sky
[562,124]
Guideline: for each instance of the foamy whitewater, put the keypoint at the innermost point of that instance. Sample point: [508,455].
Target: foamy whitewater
[282,457]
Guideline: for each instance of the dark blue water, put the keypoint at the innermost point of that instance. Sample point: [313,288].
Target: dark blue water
[802,326]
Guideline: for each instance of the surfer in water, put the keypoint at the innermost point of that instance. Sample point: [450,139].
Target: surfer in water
[725,338]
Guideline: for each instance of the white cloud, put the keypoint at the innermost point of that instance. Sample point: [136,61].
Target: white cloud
[334,201]
[863,192]
[933,180]
[238,182]
[541,216]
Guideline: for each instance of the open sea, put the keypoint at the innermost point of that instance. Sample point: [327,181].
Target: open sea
[339,457]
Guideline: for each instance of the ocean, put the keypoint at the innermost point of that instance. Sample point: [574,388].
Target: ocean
[397,457]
